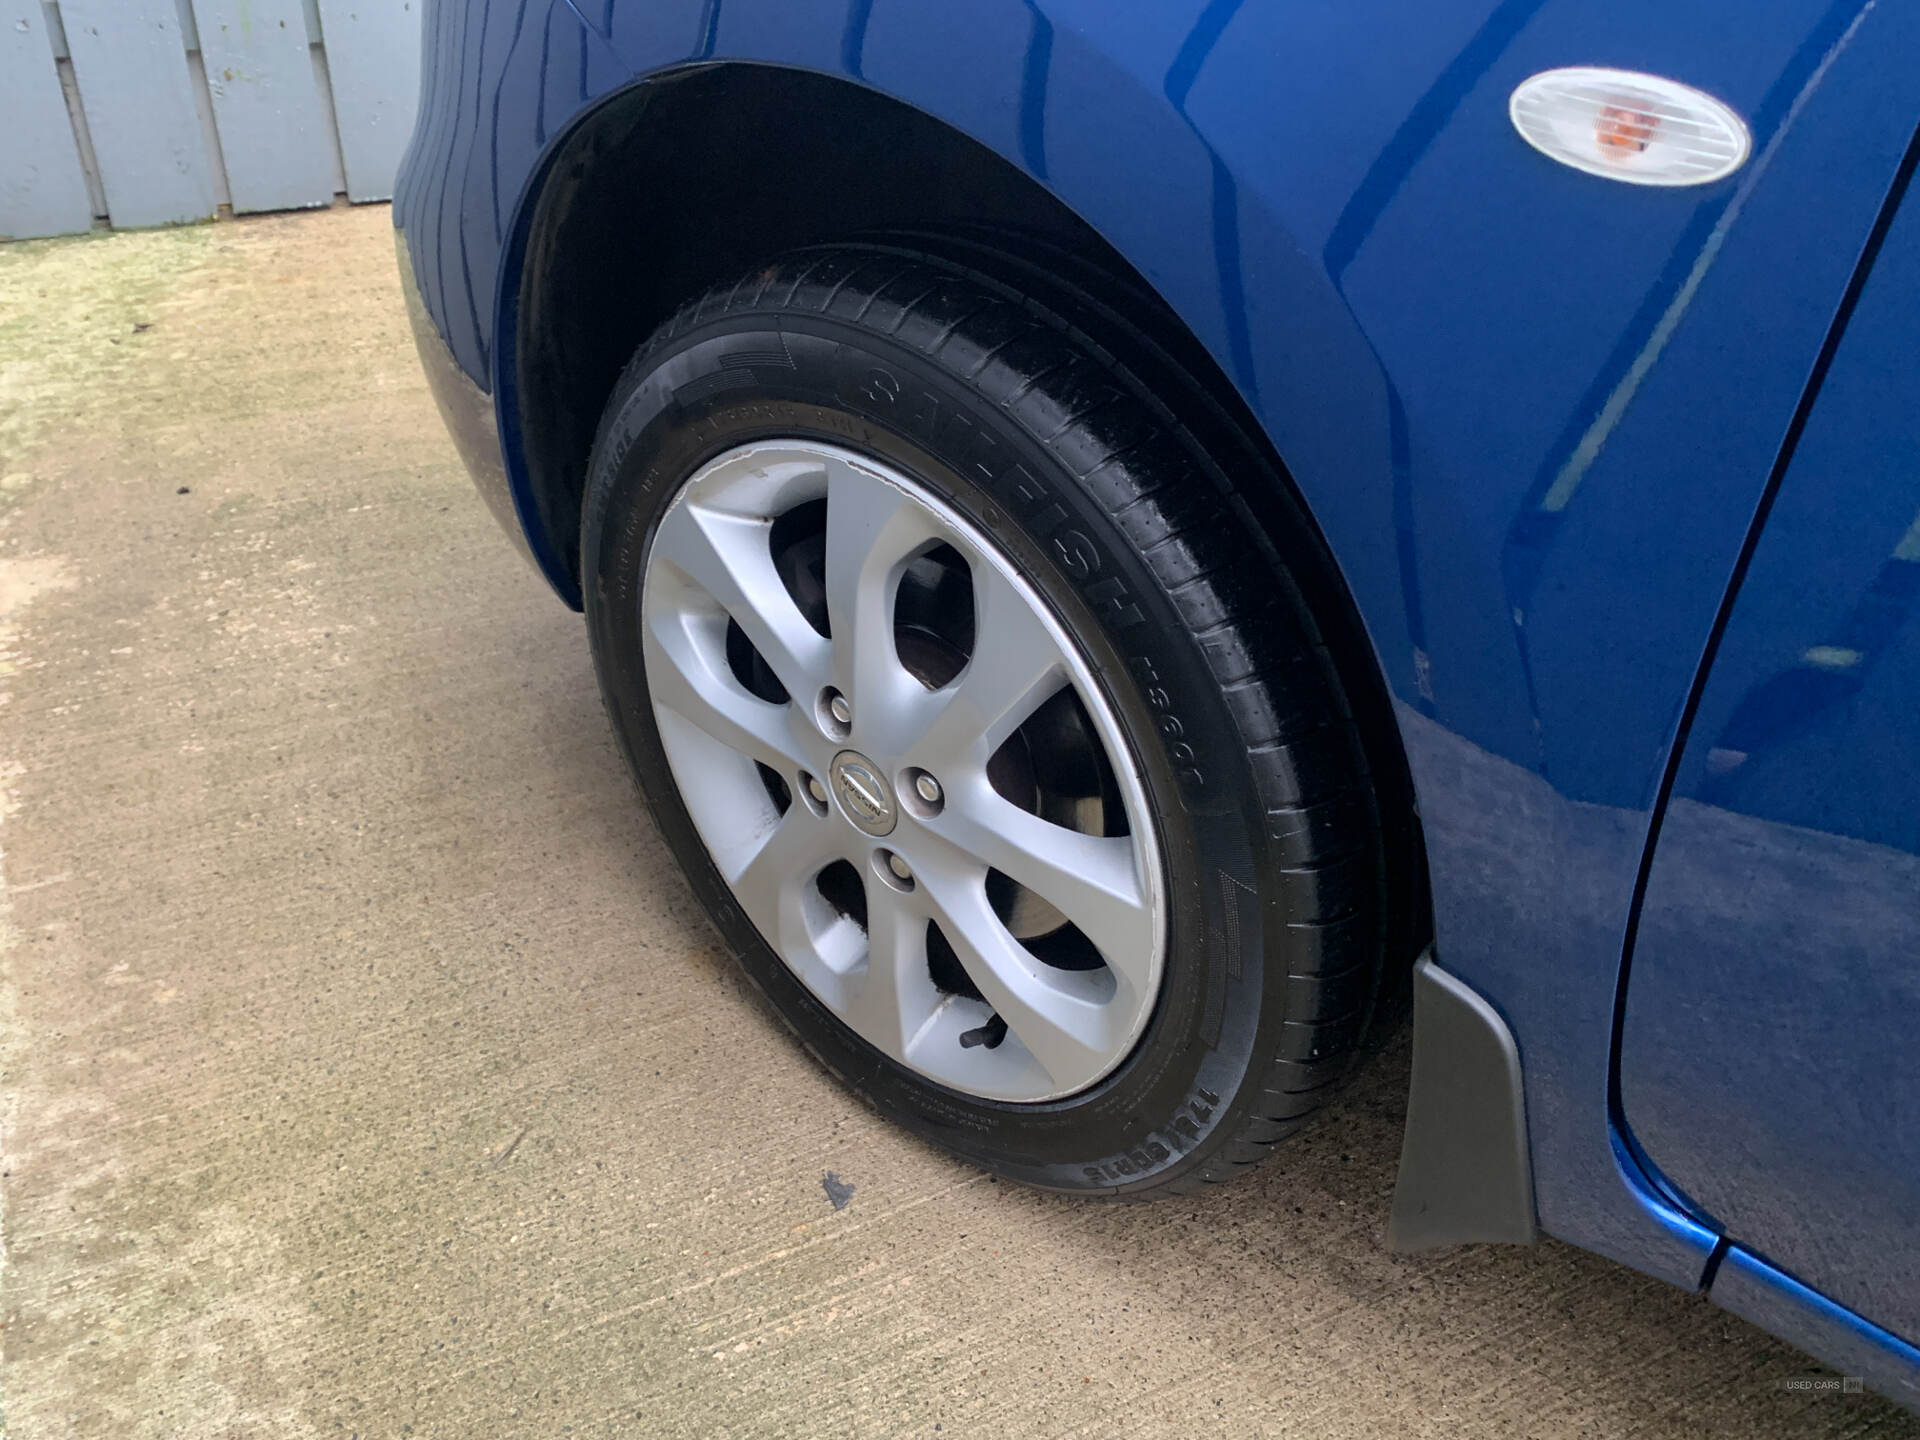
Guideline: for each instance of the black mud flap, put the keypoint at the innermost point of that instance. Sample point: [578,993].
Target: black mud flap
[1465,1174]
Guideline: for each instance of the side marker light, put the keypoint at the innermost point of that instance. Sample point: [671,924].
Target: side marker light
[1642,129]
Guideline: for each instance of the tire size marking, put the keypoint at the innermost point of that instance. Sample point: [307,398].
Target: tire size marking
[1182,1132]
[1159,698]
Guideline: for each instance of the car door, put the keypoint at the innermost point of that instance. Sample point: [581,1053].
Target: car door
[1767,1061]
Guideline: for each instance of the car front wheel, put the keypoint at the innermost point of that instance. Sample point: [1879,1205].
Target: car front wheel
[1005,760]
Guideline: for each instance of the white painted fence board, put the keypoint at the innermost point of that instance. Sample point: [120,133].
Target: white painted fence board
[157,111]
[273,133]
[373,55]
[131,63]
[54,33]
[42,188]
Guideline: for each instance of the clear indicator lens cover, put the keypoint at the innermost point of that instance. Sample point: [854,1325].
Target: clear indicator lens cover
[1638,128]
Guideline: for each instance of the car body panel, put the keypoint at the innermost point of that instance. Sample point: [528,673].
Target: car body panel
[1767,1059]
[1862,1351]
[1532,411]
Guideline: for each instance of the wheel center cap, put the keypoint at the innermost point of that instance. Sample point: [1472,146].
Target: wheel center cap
[864,795]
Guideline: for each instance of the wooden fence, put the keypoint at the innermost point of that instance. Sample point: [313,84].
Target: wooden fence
[154,112]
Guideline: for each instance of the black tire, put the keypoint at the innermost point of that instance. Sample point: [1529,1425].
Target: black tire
[1050,443]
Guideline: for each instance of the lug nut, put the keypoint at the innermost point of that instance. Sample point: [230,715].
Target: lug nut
[899,867]
[921,794]
[840,710]
[816,790]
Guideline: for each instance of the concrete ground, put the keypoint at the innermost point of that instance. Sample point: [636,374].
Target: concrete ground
[370,1071]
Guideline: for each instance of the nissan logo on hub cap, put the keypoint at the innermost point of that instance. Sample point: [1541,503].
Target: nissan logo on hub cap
[864,795]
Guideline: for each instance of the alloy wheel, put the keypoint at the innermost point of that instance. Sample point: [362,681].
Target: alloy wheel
[904,770]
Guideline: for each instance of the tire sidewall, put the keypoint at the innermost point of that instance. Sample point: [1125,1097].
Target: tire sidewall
[691,399]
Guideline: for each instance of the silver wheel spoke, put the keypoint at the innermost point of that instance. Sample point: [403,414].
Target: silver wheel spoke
[1015,668]
[873,529]
[1051,1013]
[1088,878]
[684,678]
[894,999]
[773,881]
[727,556]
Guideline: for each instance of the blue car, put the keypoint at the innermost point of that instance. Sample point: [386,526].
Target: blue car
[1129,546]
